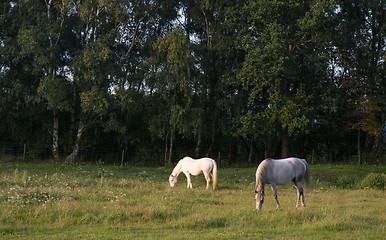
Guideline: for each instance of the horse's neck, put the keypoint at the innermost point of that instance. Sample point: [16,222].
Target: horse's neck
[177,170]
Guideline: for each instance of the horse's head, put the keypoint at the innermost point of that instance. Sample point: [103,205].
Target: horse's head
[259,198]
[173,180]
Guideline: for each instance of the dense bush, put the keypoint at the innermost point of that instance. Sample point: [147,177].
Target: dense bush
[346,182]
[374,180]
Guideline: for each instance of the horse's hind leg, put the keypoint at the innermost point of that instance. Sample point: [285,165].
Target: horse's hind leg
[300,195]
[275,194]
[207,180]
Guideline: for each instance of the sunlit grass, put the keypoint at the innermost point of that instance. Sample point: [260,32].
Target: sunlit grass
[51,201]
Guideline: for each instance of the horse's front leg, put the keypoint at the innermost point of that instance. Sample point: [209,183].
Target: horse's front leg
[275,194]
[188,180]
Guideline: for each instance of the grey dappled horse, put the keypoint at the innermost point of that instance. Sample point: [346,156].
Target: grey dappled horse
[281,171]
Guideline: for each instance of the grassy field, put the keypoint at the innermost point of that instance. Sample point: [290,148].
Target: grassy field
[57,201]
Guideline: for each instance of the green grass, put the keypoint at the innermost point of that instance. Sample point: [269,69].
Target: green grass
[57,201]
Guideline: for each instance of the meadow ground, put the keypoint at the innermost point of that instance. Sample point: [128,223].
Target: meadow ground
[58,201]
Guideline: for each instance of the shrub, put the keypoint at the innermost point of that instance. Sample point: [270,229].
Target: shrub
[374,180]
[346,182]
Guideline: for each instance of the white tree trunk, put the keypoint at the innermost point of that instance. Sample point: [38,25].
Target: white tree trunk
[72,157]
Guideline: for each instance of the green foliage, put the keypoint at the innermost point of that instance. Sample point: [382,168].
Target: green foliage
[94,102]
[374,181]
[173,50]
[208,75]
[56,92]
[173,59]
[346,182]
[280,59]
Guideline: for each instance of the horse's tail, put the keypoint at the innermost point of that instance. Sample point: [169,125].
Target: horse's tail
[214,174]
[307,175]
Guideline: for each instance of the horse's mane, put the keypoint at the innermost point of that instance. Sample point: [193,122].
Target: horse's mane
[261,172]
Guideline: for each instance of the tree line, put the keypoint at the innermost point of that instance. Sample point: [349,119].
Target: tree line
[239,80]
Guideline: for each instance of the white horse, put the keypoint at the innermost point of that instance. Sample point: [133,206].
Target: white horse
[279,172]
[187,165]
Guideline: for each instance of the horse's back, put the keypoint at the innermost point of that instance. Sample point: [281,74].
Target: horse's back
[205,163]
[296,162]
[197,166]
[281,171]
[299,164]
